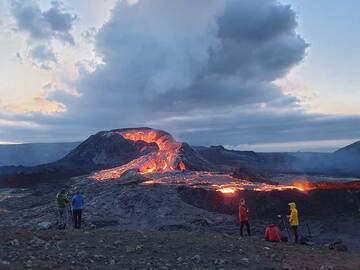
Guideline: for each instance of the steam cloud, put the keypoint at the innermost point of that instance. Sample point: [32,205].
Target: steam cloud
[183,58]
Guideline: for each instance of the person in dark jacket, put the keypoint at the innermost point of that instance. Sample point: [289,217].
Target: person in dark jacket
[244,217]
[77,203]
[62,201]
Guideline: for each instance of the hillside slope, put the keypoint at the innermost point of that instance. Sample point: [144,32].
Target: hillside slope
[352,149]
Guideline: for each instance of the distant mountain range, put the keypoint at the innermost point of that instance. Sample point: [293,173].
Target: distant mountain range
[108,149]
[32,154]
[345,162]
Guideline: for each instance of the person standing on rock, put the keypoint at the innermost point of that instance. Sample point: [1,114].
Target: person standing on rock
[244,217]
[62,201]
[77,203]
[294,220]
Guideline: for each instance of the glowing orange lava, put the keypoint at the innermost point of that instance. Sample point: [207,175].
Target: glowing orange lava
[150,182]
[303,185]
[166,159]
[227,190]
[163,141]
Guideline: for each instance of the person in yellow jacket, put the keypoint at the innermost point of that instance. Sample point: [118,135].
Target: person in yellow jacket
[294,220]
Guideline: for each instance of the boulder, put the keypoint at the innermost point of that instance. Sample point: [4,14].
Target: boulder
[43,225]
[306,241]
[338,246]
[132,177]
[200,222]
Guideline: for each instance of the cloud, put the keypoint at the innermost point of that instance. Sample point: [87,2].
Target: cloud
[43,56]
[55,23]
[261,126]
[29,110]
[203,69]
[40,104]
[187,57]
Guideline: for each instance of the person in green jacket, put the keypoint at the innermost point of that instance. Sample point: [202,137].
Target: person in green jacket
[62,201]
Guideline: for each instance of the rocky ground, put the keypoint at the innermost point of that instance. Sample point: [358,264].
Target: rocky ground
[110,203]
[132,205]
[114,249]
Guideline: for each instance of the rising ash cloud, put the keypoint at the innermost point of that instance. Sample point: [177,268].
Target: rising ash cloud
[202,69]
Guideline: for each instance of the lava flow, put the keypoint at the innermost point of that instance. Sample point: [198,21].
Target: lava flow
[166,166]
[167,163]
[167,158]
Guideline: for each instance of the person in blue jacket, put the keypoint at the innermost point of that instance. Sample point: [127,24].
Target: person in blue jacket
[77,203]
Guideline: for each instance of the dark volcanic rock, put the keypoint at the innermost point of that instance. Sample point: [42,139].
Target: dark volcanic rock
[315,203]
[131,177]
[109,149]
[338,246]
[104,150]
[193,160]
[247,161]
[99,151]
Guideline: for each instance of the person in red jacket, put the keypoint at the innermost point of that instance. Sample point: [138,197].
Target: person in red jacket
[244,217]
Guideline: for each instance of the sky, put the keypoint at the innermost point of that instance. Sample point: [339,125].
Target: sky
[260,75]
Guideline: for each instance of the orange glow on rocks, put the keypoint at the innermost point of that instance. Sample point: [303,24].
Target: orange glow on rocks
[307,186]
[303,185]
[182,166]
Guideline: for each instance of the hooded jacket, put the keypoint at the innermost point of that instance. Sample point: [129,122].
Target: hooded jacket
[243,213]
[61,200]
[293,219]
[77,202]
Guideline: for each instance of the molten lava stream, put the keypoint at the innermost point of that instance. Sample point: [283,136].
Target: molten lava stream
[150,136]
[227,190]
[233,187]
[166,159]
